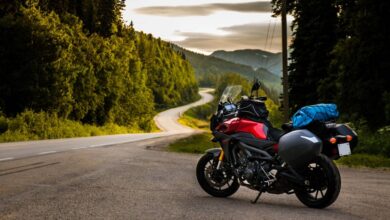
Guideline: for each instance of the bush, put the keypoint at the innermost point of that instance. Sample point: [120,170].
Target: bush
[30,125]
[376,143]
[3,124]
[202,112]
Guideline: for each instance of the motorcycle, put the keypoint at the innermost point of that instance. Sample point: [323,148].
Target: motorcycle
[254,154]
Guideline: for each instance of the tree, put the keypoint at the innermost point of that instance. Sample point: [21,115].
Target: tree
[314,36]
[362,62]
[55,63]
[33,47]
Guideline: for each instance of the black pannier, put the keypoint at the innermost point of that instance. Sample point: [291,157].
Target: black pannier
[299,147]
[253,109]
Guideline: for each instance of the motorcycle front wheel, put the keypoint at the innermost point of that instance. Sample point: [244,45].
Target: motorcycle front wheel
[218,183]
[324,183]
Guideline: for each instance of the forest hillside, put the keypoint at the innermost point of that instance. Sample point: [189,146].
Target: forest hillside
[78,61]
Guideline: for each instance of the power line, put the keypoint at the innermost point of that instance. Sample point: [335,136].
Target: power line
[266,39]
[273,34]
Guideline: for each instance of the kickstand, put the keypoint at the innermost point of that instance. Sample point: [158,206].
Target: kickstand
[257,198]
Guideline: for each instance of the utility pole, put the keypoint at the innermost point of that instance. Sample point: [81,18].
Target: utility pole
[286,109]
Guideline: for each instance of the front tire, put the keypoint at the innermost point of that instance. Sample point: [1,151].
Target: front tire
[218,183]
[324,183]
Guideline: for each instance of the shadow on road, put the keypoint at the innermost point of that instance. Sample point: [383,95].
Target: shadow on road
[272,205]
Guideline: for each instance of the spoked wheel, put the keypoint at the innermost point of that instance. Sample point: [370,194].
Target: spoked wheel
[218,183]
[324,183]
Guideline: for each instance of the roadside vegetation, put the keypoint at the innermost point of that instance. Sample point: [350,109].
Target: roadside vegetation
[373,149]
[42,125]
[77,65]
[196,144]
[365,160]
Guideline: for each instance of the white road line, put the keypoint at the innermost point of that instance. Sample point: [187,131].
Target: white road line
[97,145]
[7,158]
[106,144]
[47,152]
[77,148]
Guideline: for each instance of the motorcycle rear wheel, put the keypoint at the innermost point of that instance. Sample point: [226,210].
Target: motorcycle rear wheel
[218,183]
[325,183]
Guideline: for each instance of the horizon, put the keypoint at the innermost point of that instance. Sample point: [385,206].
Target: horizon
[205,26]
[243,49]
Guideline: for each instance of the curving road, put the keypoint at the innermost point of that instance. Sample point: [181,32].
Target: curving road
[130,181]
[166,121]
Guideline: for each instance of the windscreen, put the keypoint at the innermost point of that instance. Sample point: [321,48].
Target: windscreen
[230,93]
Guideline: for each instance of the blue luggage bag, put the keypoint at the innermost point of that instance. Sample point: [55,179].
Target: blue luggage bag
[319,112]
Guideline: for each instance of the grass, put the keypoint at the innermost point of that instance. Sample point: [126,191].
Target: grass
[38,126]
[194,122]
[364,160]
[195,144]
[30,125]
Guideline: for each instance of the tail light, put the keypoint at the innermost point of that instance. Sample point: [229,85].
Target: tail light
[332,140]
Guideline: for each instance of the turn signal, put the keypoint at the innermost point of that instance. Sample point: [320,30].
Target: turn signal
[332,140]
[349,138]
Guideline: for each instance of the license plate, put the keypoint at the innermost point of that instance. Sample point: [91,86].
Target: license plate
[344,149]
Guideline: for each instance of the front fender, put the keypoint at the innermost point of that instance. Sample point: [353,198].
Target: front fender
[214,151]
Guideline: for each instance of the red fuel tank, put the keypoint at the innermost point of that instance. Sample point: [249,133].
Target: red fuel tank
[235,125]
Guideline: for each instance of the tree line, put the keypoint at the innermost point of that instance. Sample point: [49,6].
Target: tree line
[340,54]
[79,60]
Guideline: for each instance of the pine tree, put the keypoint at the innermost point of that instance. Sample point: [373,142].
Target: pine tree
[314,36]
[362,62]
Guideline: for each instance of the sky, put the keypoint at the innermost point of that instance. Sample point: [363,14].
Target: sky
[208,25]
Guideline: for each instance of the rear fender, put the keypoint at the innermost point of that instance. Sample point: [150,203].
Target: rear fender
[343,129]
[339,131]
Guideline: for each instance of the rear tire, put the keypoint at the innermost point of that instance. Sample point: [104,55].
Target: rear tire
[218,183]
[324,176]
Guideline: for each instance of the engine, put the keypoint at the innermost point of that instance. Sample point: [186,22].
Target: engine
[256,173]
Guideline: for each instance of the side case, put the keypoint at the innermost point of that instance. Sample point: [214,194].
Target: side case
[299,147]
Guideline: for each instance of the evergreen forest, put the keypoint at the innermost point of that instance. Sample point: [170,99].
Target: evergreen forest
[78,61]
[340,53]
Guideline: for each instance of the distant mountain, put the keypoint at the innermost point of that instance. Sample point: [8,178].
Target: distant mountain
[253,58]
[206,66]
[211,65]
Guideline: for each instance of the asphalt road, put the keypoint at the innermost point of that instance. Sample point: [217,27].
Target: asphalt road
[167,120]
[130,181]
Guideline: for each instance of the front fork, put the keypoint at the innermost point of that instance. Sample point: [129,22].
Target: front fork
[220,159]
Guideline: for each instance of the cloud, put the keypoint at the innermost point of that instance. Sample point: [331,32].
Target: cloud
[205,9]
[253,36]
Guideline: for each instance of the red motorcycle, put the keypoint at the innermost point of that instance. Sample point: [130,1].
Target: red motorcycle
[255,154]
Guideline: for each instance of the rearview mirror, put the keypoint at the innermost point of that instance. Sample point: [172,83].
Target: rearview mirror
[256,86]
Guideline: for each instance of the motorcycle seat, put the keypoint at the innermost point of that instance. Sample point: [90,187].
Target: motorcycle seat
[287,126]
[275,134]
